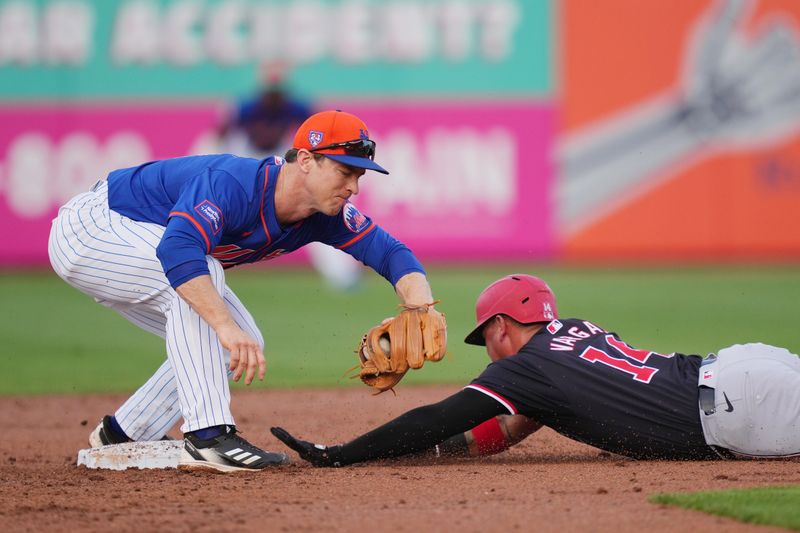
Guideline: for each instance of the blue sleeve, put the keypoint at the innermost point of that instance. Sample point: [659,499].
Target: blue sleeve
[182,252]
[386,255]
[208,205]
[360,237]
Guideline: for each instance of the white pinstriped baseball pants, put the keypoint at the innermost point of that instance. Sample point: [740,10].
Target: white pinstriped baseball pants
[113,259]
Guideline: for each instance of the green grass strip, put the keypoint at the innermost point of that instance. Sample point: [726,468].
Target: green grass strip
[53,339]
[767,506]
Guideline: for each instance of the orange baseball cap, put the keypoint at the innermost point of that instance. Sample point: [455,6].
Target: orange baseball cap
[339,136]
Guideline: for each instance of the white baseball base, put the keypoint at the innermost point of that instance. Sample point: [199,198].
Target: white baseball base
[151,454]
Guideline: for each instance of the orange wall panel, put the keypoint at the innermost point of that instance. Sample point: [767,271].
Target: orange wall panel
[734,193]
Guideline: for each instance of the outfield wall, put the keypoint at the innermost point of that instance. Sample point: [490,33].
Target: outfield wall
[615,130]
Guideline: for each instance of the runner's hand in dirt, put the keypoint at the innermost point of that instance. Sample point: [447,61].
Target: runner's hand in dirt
[316,454]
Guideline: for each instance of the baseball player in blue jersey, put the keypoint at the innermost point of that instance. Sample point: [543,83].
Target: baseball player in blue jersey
[587,384]
[152,243]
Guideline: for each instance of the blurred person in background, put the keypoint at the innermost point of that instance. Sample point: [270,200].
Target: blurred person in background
[262,125]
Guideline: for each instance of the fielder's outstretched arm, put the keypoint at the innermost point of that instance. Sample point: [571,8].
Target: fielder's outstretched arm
[417,430]
[413,288]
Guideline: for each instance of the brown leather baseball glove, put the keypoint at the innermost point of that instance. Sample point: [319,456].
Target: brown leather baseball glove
[417,334]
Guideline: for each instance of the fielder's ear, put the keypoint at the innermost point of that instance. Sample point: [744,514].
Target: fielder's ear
[304,159]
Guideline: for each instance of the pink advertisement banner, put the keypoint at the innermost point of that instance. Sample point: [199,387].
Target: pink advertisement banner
[468,181]
[48,154]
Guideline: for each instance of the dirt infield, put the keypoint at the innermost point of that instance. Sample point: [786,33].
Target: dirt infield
[546,483]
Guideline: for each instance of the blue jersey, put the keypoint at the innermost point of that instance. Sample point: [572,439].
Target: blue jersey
[224,206]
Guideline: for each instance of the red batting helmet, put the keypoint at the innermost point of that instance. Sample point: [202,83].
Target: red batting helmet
[526,299]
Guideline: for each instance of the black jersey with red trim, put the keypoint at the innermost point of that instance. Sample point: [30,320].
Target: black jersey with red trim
[589,385]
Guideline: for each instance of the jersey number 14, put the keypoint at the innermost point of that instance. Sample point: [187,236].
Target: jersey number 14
[640,372]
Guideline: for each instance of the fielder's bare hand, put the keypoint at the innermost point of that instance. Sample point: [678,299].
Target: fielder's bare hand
[246,353]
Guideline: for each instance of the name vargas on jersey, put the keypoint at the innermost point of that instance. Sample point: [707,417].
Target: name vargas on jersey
[565,343]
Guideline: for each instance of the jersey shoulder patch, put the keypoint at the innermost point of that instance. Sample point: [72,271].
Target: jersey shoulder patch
[554,326]
[211,213]
[353,219]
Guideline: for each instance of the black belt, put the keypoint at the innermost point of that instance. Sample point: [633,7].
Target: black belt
[706,397]
[705,394]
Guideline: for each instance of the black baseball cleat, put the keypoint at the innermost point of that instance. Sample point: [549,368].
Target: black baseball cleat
[226,453]
[104,434]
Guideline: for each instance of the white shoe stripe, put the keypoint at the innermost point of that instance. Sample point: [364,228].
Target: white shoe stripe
[252,460]
[242,456]
[234,451]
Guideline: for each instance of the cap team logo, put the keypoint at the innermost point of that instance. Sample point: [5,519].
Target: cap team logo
[315,138]
[353,219]
[211,213]
[364,134]
[547,311]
